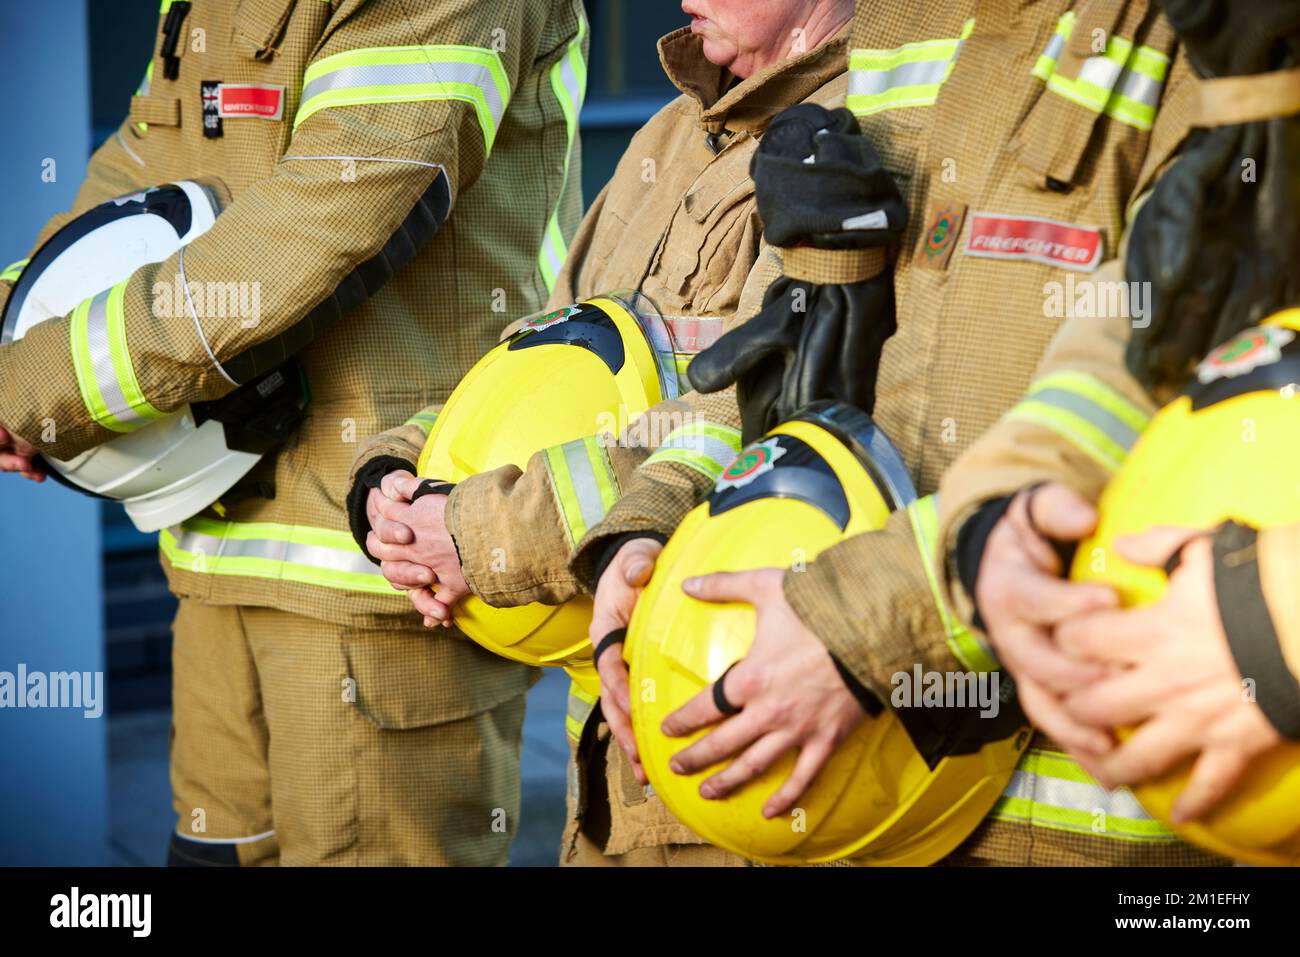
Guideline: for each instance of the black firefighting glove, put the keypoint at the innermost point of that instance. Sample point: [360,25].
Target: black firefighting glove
[818,182]
[1219,238]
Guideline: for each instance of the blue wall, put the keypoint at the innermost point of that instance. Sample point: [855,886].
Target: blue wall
[53,763]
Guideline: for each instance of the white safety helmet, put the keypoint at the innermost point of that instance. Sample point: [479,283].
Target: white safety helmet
[173,468]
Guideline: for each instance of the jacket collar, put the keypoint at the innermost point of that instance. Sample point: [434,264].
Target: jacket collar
[730,104]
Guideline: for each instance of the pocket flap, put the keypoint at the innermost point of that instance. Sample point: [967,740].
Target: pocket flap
[258,24]
[156,110]
[412,679]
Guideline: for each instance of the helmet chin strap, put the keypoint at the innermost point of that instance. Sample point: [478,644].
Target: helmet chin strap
[1231,100]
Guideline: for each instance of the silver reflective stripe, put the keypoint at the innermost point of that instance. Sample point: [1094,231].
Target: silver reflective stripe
[570,81]
[406,74]
[297,553]
[1142,88]
[554,260]
[1101,71]
[586,485]
[1054,47]
[101,362]
[1078,795]
[1113,427]
[923,73]
[719,451]
[251,839]
[1047,793]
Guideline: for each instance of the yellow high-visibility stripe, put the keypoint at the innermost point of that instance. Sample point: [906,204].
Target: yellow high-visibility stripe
[707,447]
[908,76]
[965,645]
[569,83]
[584,481]
[1124,82]
[13,271]
[102,363]
[276,552]
[1050,790]
[1087,413]
[473,75]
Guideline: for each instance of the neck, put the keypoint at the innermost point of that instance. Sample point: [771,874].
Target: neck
[821,23]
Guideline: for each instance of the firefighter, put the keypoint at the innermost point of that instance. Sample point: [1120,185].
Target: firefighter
[1028,490]
[394,170]
[678,223]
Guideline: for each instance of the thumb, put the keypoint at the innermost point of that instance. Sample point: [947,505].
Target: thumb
[640,562]
[1156,545]
[1060,513]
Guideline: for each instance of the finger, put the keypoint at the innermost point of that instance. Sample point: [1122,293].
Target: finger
[397,510]
[1047,715]
[1122,698]
[13,462]
[614,680]
[388,485]
[1029,653]
[812,758]
[382,550]
[1061,513]
[429,605]
[1213,777]
[406,575]
[702,709]
[405,484]
[1045,599]
[391,532]
[1118,636]
[757,758]
[34,476]
[1156,545]
[620,726]
[450,594]
[729,738]
[1157,746]
[725,586]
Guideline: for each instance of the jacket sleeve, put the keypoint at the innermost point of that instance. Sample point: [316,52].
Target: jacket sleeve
[368,176]
[646,479]
[682,461]
[1074,426]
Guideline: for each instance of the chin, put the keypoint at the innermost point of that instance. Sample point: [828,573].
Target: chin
[717,52]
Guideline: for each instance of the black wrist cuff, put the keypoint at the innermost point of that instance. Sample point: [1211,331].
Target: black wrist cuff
[870,703]
[1252,636]
[431,487]
[369,476]
[609,548]
[971,542]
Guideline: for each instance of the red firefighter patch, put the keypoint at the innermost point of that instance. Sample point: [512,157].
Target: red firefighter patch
[1034,239]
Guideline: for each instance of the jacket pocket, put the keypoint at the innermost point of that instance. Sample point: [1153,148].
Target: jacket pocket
[1099,94]
[402,678]
[710,219]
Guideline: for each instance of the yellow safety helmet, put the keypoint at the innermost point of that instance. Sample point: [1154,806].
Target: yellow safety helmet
[566,375]
[1194,467]
[811,482]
